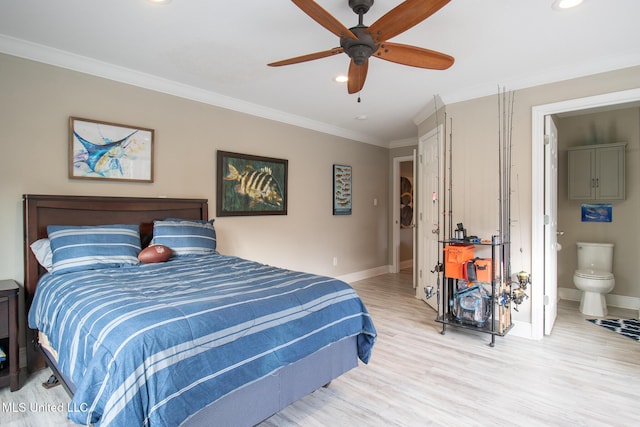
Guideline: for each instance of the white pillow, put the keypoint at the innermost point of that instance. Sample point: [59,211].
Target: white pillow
[42,250]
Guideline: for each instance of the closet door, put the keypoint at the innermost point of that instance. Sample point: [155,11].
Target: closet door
[610,173]
[582,175]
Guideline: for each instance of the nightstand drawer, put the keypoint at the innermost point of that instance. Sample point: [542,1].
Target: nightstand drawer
[4,317]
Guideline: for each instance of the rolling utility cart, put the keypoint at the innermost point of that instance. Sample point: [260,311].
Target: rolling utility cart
[476,291]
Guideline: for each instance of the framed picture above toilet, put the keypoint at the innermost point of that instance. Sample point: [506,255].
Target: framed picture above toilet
[597,212]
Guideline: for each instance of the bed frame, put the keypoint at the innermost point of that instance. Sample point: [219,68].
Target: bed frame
[246,406]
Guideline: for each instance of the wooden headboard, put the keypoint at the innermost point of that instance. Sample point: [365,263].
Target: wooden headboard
[43,210]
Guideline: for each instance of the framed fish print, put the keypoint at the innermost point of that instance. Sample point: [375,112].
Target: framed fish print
[341,190]
[109,151]
[250,185]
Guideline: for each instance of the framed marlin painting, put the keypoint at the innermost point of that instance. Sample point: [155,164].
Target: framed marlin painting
[109,151]
[250,185]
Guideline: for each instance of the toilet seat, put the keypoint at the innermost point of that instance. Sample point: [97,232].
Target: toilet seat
[594,274]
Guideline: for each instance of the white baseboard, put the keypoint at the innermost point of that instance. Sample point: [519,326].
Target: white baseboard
[521,329]
[620,301]
[366,274]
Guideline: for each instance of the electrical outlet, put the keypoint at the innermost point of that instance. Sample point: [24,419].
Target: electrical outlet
[335,261]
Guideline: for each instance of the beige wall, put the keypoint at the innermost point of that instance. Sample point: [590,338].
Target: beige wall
[38,99]
[601,128]
[475,158]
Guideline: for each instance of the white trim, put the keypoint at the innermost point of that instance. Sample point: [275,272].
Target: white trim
[365,274]
[83,64]
[399,143]
[520,329]
[588,67]
[620,301]
[537,188]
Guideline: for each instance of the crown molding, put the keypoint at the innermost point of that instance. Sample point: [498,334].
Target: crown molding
[56,57]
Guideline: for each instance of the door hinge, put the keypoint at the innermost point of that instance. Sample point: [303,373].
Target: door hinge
[546,300]
[547,138]
[547,220]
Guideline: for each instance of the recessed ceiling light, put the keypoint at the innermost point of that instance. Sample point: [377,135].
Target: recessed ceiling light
[159,1]
[565,4]
[361,117]
[341,78]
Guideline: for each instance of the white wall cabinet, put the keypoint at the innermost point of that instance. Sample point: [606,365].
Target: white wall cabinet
[597,172]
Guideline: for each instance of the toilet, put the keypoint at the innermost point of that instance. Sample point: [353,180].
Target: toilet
[594,276]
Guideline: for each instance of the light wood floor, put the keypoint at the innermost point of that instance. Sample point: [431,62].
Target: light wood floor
[581,375]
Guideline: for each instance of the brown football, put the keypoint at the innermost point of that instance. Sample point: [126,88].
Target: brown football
[155,253]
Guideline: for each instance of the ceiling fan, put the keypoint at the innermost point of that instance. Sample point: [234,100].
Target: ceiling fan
[362,42]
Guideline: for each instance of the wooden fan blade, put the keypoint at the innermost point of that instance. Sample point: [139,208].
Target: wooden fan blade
[357,76]
[309,57]
[414,56]
[324,18]
[403,17]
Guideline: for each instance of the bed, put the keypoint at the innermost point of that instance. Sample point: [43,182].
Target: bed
[202,339]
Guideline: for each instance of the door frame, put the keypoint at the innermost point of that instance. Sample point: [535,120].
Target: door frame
[395,217]
[538,250]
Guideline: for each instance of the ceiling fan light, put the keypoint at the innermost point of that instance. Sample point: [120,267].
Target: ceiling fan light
[565,4]
[341,78]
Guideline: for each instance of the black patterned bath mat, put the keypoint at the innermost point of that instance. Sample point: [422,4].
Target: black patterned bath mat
[627,327]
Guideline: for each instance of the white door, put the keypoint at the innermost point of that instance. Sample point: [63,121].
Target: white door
[427,219]
[551,246]
[413,225]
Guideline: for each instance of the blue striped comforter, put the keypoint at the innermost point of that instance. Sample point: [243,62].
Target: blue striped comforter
[152,344]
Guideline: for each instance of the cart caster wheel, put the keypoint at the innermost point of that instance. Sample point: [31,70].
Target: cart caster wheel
[491,344]
[442,332]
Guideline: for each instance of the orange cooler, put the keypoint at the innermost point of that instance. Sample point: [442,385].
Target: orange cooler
[454,258]
[484,270]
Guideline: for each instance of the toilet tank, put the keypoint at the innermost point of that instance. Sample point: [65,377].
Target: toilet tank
[595,256]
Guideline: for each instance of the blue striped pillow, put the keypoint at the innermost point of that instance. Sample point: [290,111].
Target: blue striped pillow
[77,248]
[185,237]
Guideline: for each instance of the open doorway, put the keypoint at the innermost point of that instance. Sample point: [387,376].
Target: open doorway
[406,254]
[403,213]
[540,252]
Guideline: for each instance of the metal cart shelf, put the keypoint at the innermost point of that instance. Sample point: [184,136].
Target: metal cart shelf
[499,321]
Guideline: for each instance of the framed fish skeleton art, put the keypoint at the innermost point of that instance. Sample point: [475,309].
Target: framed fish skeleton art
[250,185]
[101,150]
[341,190]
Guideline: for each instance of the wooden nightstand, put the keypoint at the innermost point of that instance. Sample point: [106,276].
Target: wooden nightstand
[9,333]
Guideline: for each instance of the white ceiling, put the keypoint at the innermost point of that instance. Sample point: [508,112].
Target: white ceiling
[217,51]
